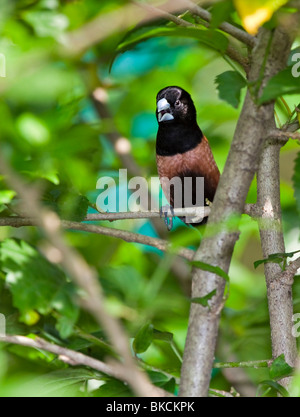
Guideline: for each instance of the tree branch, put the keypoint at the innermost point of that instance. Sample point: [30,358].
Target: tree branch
[235,32]
[66,355]
[83,276]
[158,12]
[153,214]
[279,287]
[271,53]
[73,358]
[248,364]
[288,275]
[125,235]
[231,51]
[101,27]
[283,135]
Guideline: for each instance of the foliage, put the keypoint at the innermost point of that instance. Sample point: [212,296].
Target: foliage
[52,135]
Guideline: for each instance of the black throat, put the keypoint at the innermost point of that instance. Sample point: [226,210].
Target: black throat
[174,137]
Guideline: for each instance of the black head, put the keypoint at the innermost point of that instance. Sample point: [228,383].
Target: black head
[175,105]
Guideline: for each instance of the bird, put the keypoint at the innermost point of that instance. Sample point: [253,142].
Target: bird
[183,151]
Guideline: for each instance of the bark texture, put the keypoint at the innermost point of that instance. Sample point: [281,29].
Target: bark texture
[280,299]
[267,59]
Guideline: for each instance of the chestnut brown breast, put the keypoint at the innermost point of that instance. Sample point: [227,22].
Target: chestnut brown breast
[198,162]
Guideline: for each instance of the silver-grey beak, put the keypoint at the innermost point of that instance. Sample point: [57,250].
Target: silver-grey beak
[163,110]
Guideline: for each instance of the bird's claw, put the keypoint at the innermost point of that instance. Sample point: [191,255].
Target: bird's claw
[164,211]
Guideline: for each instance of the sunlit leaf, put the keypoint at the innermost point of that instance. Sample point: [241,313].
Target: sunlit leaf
[6,196]
[33,130]
[254,13]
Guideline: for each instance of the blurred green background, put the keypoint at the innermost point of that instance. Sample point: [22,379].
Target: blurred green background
[51,133]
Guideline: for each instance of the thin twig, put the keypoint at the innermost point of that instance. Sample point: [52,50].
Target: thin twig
[287,276]
[220,393]
[231,51]
[125,235]
[235,32]
[250,364]
[72,357]
[284,135]
[67,355]
[154,214]
[157,12]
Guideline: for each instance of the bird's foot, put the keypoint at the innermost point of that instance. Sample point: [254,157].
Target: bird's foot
[164,212]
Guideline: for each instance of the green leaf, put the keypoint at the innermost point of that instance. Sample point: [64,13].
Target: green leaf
[204,300]
[282,84]
[68,204]
[63,382]
[113,388]
[161,380]
[209,38]
[143,339]
[165,336]
[296,182]
[169,386]
[275,386]
[38,285]
[276,258]
[6,196]
[74,207]
[210,268]
[254,13]
[221,12]
[280,369]
[230,84]
[46,23]
[33,129]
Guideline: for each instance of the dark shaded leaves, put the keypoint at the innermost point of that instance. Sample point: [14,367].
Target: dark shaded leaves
[276,258]
[37,285]
[210,268]
[280,369]
[143,339]
[204,300]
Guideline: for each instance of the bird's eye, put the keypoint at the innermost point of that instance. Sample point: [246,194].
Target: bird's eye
[177,102]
